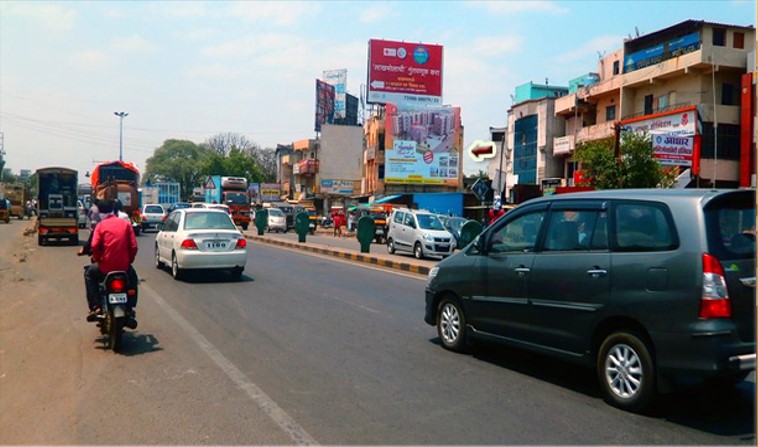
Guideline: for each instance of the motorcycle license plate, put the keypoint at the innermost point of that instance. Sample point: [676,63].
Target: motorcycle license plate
[117,298]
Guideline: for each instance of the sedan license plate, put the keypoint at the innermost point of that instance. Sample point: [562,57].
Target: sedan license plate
[117,298]
[215,244]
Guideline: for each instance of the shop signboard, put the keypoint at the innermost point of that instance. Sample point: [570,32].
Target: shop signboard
[672,134]
[270,192]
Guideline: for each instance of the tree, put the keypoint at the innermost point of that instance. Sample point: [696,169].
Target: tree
[635,168]
[179,160]
[266,159]
[223,143]
[235,146]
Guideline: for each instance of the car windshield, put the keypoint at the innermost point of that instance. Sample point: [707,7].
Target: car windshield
[275,212]
[429,222]
[455,223]
[180,205]
[154,209]
[208,221]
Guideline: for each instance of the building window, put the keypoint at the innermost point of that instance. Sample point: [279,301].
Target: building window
[730,94]
[610,113]
[719,37]
[380,170]
[728,141]
[739,40]
[648,104]
[616,67]
[381,141]
[663,102]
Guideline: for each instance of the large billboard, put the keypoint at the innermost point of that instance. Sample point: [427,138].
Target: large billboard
[423,146]
[324,104]
[337,78]
[404,73]
[672,134]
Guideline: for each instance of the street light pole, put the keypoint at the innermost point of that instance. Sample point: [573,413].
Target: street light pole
[121,115]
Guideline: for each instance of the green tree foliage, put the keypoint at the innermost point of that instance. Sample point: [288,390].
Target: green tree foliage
[181,161]
[635,168]
[235,155]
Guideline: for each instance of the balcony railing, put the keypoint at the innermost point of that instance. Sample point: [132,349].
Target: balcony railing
[308,166]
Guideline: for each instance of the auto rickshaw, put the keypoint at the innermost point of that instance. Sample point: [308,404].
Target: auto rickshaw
[5,211]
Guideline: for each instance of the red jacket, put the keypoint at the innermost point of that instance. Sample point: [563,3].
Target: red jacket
[494,214]
[114,245]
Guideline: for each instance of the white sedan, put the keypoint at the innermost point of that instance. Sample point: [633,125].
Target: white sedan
[200,238]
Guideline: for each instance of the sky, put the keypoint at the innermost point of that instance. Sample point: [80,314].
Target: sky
[193,70]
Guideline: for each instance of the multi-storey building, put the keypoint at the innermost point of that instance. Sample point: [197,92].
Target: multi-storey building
[684,86]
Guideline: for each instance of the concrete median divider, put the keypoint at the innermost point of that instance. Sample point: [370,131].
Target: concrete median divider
[342,253]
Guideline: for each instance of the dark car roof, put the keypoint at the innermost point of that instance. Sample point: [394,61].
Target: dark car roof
[683,195]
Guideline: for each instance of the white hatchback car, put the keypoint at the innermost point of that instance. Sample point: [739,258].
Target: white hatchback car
[277,221]
[419,232]
[199,239]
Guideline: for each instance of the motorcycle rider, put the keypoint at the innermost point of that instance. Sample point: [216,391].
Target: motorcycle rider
[113,248]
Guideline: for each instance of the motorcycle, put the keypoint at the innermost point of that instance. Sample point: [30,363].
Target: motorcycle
[326,222]
[118,298]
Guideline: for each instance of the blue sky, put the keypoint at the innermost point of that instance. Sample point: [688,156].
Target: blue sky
[191,70]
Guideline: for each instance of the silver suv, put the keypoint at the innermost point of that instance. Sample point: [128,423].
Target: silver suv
[419,232]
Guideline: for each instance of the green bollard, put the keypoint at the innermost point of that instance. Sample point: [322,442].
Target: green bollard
[261,221]
[302,224]
[469,231]
[366,233]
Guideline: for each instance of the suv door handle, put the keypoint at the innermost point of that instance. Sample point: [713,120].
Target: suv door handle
[597,271]
[521,270]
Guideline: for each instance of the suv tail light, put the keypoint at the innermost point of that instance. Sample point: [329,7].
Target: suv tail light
[241,243]
[715,301]
[189,244]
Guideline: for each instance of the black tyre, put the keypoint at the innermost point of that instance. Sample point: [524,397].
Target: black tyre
[451,325]
[115,331]
[626,371]
[237,273]
[244,227]
[40,241]
[390,246]
[176,271]
[158,263]
[418,251]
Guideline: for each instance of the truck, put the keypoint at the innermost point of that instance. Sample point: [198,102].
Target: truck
[57,205]
[231,191]
[119,180]
[18,194]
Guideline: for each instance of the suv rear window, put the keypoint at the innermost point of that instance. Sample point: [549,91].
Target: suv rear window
[730,223]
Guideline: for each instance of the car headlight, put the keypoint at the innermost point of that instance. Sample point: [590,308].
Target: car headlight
[428,237]
[432,274]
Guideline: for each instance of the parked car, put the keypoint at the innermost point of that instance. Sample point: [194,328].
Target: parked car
[277,221]
[199,238]
[453,225]
[82,214]
[152,215]
[176,206]
[419,232]
[647,286]
[214,206]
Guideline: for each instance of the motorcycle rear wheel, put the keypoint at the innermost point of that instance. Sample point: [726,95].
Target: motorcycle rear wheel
[115,331]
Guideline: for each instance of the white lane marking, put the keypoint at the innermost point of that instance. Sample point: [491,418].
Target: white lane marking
[260,398]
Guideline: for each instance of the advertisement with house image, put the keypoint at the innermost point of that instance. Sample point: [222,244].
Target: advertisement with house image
[423,146]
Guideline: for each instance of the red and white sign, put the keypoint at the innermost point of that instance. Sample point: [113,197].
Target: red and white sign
[672,134]
[404,73]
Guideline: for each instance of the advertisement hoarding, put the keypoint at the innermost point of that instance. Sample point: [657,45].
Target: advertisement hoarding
[672,135]
[270,192]
[338,79]
[337,187]
[324,104]
[404,73]
[423,146]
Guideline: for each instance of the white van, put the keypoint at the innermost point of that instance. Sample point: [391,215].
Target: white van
[419,232]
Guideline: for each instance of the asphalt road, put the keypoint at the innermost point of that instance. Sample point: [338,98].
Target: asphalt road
[306,349]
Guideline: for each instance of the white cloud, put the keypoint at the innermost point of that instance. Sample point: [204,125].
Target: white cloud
[90,59]
[497,45]
[48,16]
[376,13]
[280,13]
[515,7]
[591,48]
[214,71]
[134,43]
